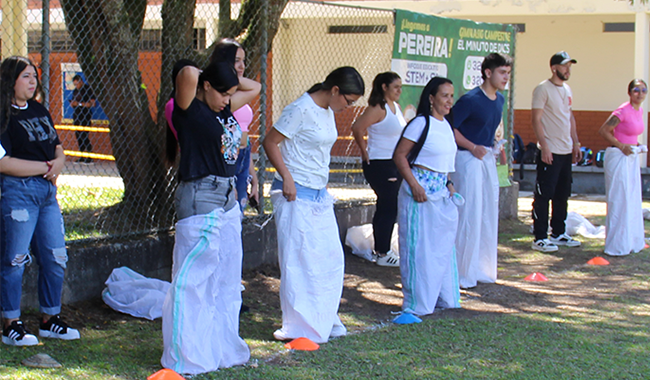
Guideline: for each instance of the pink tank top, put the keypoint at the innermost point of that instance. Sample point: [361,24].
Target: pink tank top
[244,117]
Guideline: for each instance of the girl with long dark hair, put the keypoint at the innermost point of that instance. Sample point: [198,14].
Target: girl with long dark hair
[625,227]
[231,51]
[383,122]
[428,217]
[309,247]
[31,217]
[201,311]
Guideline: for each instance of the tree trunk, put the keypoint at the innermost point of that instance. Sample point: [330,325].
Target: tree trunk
[107,36]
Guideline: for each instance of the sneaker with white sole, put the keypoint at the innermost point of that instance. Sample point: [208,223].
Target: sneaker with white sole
[544,245]
[17,335]
[57,329]
[391,259]
[566,240]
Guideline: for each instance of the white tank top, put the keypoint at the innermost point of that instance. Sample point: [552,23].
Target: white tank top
[383,136]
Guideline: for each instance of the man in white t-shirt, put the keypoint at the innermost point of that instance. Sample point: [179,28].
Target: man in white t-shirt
[555,128]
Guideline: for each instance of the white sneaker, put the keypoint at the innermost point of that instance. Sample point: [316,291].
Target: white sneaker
[544,245]
[17,335]
[279,334]
[390,260]
[57,329]
[565,239]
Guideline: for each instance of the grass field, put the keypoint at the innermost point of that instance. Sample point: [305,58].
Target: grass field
[587,322]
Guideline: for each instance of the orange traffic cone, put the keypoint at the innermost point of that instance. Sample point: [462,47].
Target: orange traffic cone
[165,374]
[536,277]
[598,261]
[302,344]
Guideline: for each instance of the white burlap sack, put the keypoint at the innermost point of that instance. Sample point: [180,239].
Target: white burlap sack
[312,267]
[624,222]
[201,311]
[361,241]
[478,221]
[130,292]
[427,233]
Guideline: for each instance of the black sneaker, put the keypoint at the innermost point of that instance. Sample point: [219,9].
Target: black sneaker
[17,335]
[56,328]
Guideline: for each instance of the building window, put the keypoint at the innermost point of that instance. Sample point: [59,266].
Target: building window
[60,41]
[521,28]
[198,40]
[616,27]
[151,40]
[357,29]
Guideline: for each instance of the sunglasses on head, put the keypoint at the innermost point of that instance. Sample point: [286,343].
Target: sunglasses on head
[638,89]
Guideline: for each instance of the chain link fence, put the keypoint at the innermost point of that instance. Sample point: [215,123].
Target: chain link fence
[106,75]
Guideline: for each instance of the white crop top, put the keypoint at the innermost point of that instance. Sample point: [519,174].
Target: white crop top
[439,150]
[383,136]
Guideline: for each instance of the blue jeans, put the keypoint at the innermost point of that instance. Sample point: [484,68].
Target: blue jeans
[31,216]
[204,195]
[242,177]
[302,192]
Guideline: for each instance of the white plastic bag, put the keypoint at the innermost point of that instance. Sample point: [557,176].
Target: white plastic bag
[577,224]
[130,292]
[362,242]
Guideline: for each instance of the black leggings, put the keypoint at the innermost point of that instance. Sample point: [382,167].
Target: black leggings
[383,177]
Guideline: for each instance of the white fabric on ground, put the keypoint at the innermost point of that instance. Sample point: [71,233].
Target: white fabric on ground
[478,220]
[312,268]
[577,224]
[130,292]
[624,222]
[201,311]
[361,241]
[427,232]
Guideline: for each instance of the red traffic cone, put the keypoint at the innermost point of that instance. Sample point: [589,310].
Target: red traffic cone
[302,344]
[536,277]
[598,261]
[165,374]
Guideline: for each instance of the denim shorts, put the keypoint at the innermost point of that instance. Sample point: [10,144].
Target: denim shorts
[204,195]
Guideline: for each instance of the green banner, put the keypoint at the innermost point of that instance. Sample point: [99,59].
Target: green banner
[426,46]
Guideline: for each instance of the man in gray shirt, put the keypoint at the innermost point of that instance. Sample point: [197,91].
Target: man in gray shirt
[555,128]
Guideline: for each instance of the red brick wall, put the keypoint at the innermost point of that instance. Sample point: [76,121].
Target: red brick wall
[588,123]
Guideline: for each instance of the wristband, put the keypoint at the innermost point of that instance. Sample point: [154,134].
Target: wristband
[577,144]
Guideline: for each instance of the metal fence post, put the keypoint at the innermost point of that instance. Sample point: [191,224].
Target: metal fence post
[263,105]
[45,53]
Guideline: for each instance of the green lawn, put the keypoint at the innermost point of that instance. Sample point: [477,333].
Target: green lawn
[586,323]
[80,205]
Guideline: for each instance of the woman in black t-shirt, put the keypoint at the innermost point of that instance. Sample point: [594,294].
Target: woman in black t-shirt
[201,310]
[28,206]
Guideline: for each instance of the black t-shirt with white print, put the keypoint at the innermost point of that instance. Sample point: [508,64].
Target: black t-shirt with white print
[209,141]
[30,134]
